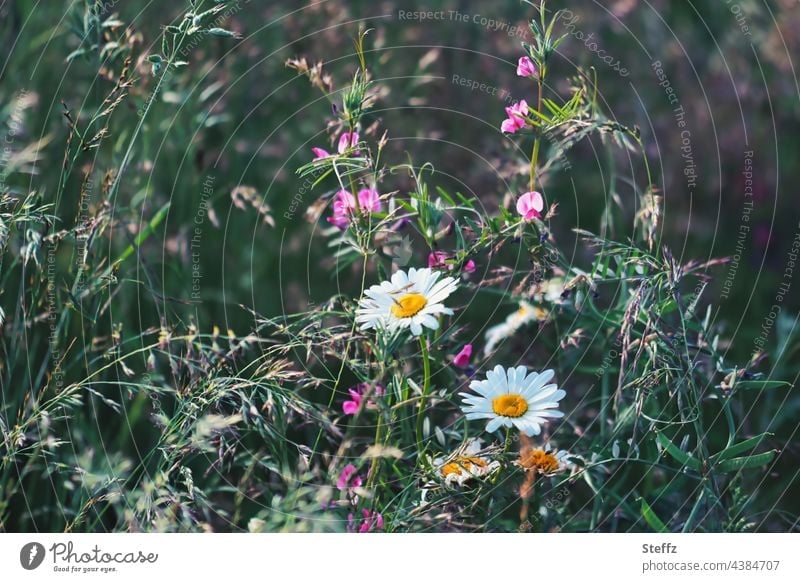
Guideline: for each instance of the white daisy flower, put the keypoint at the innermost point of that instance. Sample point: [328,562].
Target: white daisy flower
[410,300]
[466,463]
[525,314]
[511,397]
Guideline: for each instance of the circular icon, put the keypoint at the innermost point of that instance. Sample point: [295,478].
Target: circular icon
[31,555]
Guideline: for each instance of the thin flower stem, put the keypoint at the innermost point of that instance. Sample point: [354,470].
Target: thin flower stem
[426,368]
[355,195]
[137,130]
[508,440]
[537,139]
[687,527]
[373,467]
[534,162]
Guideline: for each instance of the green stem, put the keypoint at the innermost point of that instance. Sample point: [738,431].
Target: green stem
[537,139]
[508,440]
[373,468]
[426,384]
[138,129]
[687,527]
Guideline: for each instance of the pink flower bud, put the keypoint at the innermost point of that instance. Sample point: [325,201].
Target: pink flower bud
[462,358]
[526,68]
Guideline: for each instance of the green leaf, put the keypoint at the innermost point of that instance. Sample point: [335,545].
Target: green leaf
[761,384]
[144,234]
[683,458]
[746,462]
[668,307]
[222,32]
[447,197]
[652,519]
[739,448]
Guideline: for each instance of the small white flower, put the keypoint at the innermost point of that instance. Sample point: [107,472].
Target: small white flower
[525,314]
[466,463]
[511,397]
[410,300]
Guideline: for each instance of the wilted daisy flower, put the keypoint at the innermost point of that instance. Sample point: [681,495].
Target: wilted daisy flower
[544,461]
[466,463]
[511,397]
[552,290]
[410,300]
[526,314]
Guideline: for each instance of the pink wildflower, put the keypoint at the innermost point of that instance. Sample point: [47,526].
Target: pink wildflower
[320,154]
[530,205]
[526,68]
[462,358]
[370,200]
[437,259]
[348,140]
[343,206]
[344,481]
[350,407]
[516,117]
[372,521]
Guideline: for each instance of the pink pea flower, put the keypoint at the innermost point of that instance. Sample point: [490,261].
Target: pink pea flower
[462,358]
[348,140]
[372,521]
[320,154]
[516,117]
[350,407]
[438,259]
[526,68]
[344,481]
[530,205]
[343,206]
[369,200]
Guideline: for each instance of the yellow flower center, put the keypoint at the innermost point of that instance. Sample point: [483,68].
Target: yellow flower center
[409,305]
[460,465]
[511,405]
[539,460]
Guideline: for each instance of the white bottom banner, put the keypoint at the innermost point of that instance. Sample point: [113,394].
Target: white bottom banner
[388,557]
